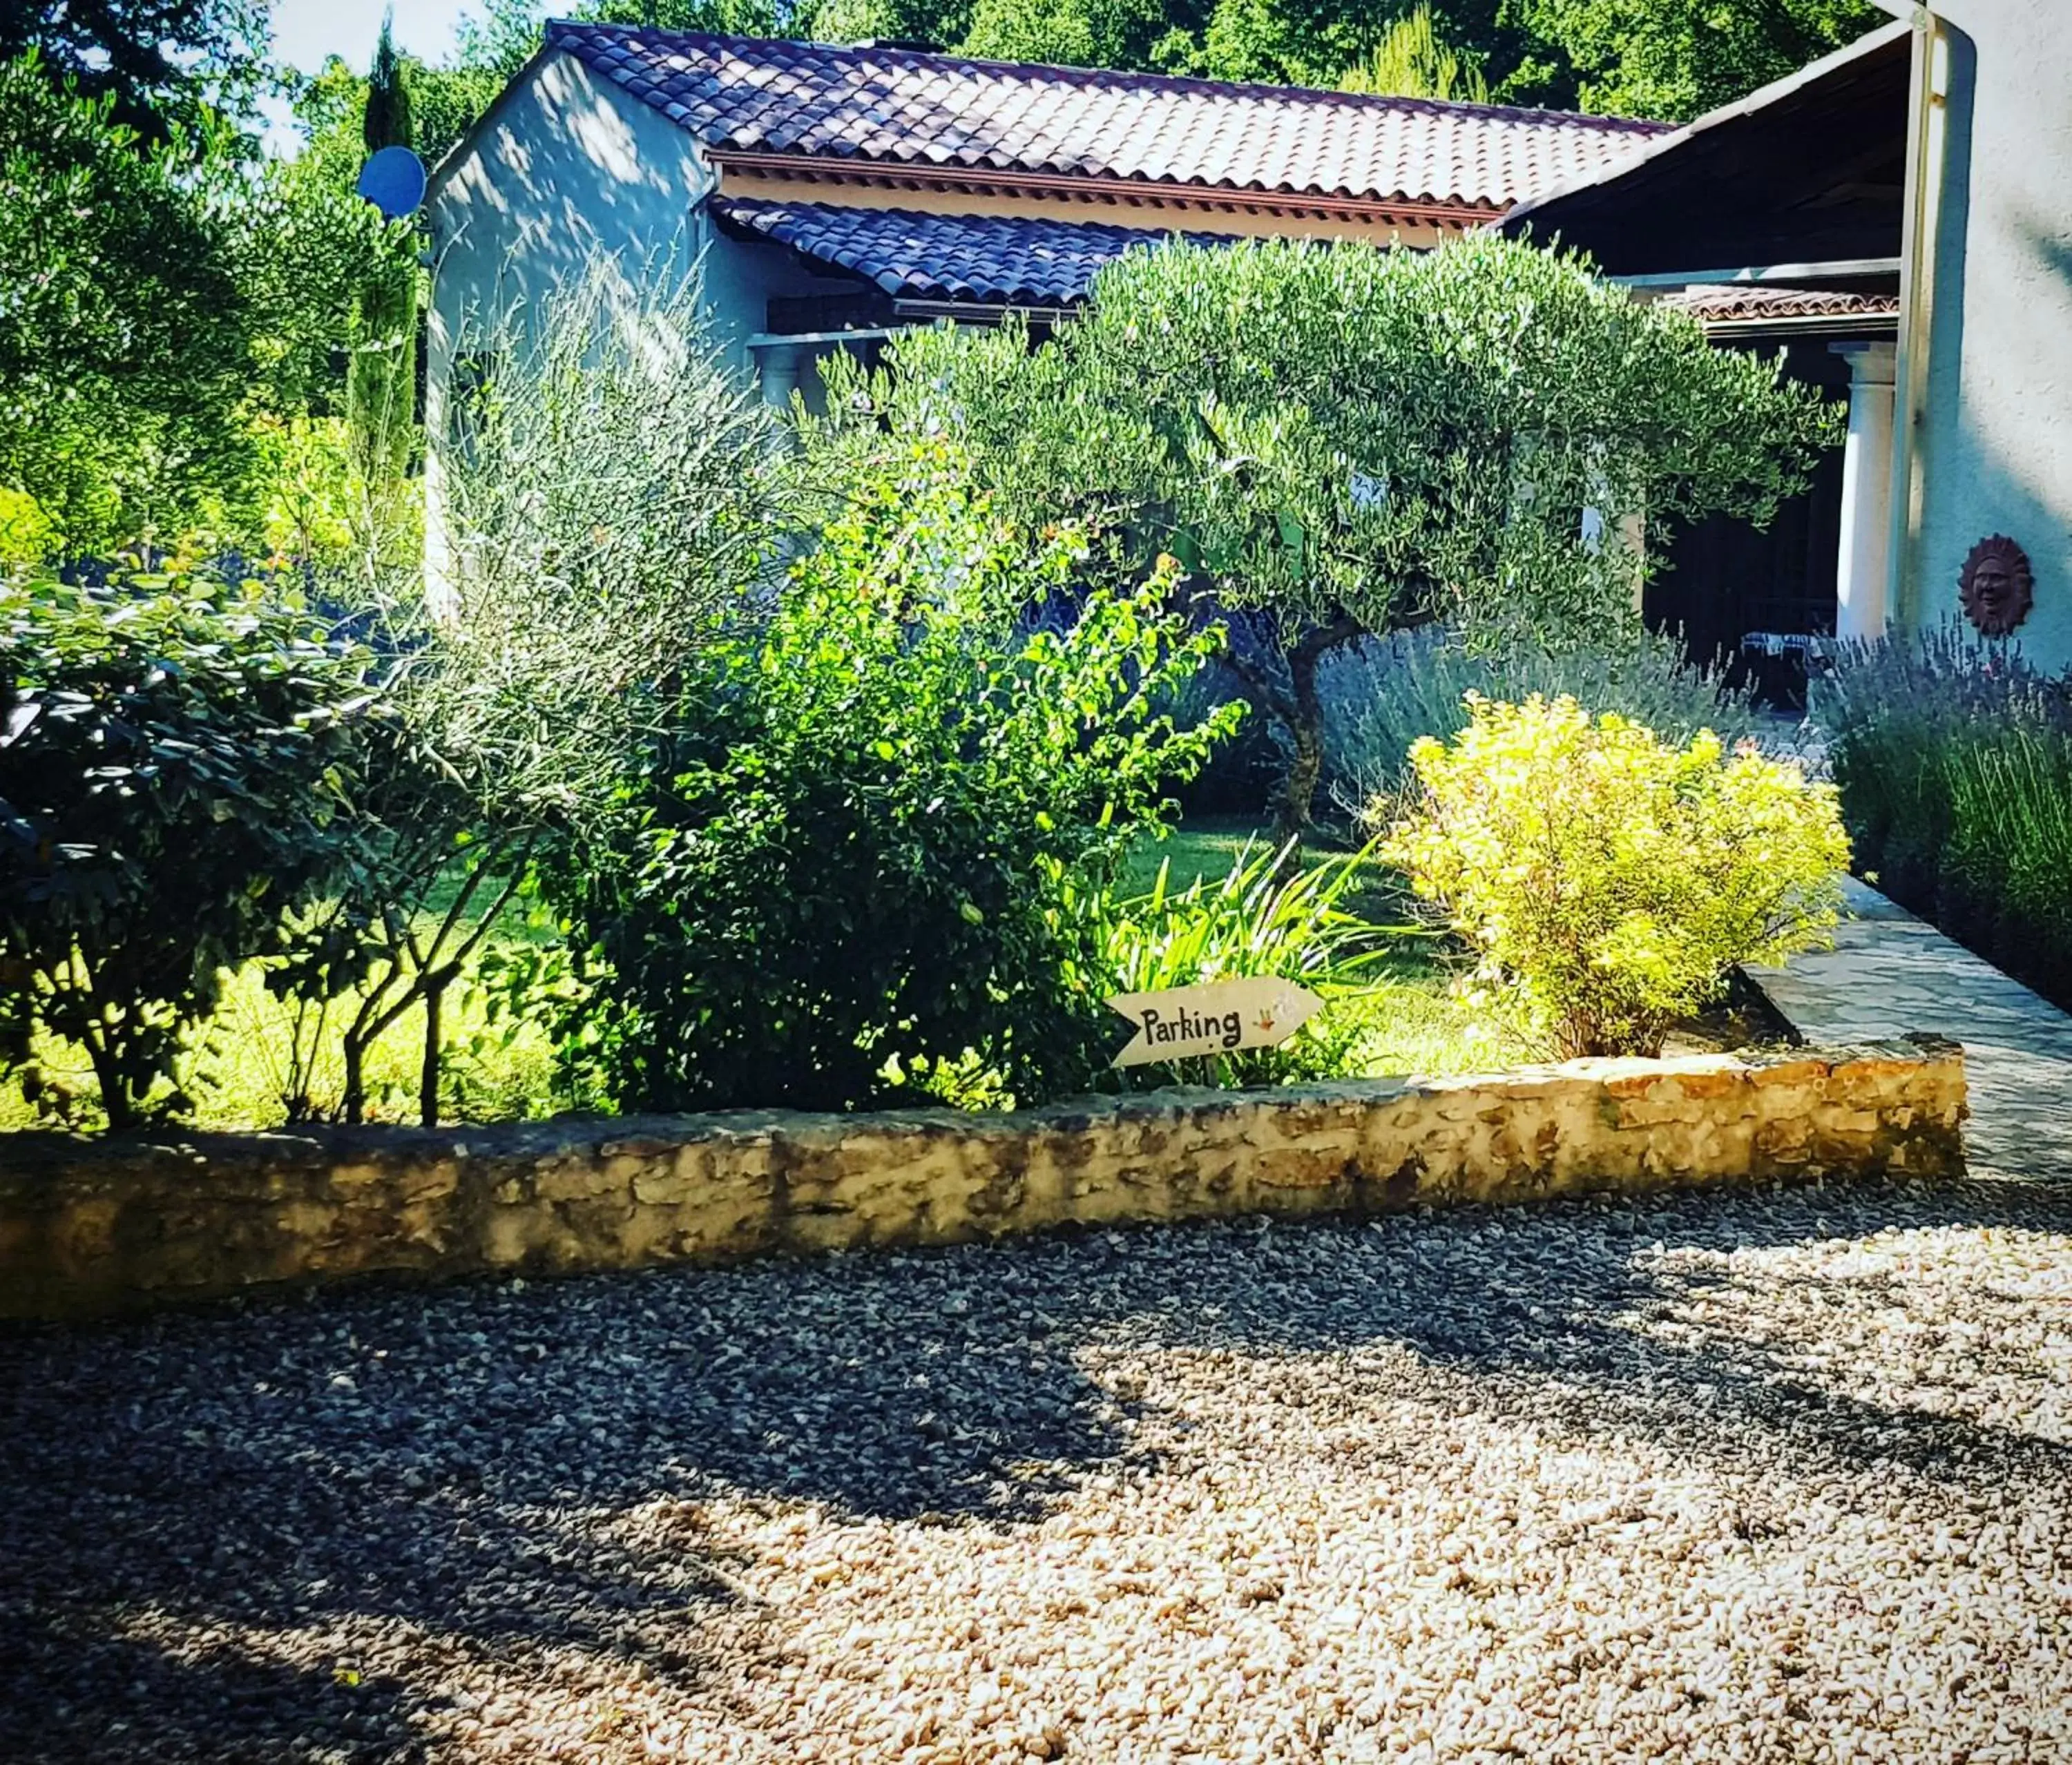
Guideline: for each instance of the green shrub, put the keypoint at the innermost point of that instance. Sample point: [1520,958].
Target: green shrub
[1954,760]
[177,758]
[1384,694]
[1609,880]
[835,876]
[1337,438]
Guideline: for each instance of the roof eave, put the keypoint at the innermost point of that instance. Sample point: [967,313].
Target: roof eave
[853,169]
[1870,43]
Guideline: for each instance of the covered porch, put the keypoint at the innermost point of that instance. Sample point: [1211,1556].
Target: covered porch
[1777,222]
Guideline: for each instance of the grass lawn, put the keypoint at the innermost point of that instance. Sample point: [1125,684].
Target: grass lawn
[1410,1021]
[1208,846]
[238,1067]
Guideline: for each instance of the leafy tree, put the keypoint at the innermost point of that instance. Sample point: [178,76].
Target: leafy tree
[1349,440]
[159,299]
[310,248]
[177,764]
[158,64]
[1061,35]
[381,382]
[611,500]
[1675,59]
[125,336]
[839,873]
[386,119]
[1412,61]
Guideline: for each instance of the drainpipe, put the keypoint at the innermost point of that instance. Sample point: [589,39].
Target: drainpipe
[1927,143]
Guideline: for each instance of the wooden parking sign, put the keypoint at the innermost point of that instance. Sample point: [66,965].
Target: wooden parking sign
[1217,1017]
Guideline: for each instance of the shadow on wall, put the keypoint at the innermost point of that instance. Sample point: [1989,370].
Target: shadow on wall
[316,1530]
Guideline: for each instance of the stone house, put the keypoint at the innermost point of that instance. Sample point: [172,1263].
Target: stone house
[834,193]
[831,194]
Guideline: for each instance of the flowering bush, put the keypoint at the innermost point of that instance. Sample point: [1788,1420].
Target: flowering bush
[1609,880]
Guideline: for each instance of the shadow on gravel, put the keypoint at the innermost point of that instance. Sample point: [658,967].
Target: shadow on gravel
[508,1475]
[201,1517]
[1553,1324]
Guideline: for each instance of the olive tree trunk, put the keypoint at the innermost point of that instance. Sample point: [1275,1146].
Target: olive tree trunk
[1299,709]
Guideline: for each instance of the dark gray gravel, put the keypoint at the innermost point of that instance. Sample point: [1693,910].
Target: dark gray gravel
[1770,1477]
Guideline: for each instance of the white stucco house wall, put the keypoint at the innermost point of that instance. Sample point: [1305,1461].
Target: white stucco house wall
[1984,425]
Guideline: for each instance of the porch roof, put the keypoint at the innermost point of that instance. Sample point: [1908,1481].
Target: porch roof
[1001,260]
[1809,170]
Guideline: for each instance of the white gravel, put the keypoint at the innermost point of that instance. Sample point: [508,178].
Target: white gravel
[1770,1477]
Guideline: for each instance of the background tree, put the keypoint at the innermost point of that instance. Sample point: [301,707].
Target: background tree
[1667,58]
[125,336]
[1346,441]
[1676,59]
[1412,61]
[381,382]
[178,764]
[159,63]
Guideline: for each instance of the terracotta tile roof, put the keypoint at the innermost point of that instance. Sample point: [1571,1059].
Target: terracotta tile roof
[899,107]
[1728,303]
[1001,259]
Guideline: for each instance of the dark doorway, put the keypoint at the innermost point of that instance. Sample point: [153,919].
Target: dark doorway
[1738,594]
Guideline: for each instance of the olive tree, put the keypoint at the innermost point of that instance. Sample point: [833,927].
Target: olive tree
[1345,440]
[613,498]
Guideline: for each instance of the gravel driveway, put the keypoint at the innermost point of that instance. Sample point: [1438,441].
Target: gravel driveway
[1774,1477]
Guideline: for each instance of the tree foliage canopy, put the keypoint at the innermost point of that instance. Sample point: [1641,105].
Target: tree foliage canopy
[177,758]
[1351,440]
[159,64]
[1668,59]
[124,341]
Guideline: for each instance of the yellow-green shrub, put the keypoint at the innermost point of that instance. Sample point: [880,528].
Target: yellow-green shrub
[1609,881]
[27,535]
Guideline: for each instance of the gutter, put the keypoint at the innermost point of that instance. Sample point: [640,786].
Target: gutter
[1848,327]
[1843,269]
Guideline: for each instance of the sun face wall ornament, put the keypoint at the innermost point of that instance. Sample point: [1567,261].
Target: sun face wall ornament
[1996,586]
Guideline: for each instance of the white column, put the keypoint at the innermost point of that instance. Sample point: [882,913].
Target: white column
[1863,591]
[780,364]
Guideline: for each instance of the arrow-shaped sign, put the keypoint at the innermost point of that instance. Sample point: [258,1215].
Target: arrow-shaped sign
[1217,1017]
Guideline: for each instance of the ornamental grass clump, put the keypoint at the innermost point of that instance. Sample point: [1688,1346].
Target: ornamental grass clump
[1609,881]
[1267,915]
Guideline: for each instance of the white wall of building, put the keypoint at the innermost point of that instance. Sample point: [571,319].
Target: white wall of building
[566,167]
[1992,414]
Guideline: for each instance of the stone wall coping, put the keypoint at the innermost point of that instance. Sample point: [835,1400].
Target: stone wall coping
[49,1154]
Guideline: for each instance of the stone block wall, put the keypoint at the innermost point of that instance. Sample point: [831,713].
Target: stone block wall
[90,1227]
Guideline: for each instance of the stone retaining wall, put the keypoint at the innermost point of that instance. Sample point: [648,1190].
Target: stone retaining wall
[88,1227]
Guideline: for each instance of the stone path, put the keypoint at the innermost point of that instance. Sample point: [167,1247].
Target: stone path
[1890,973]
